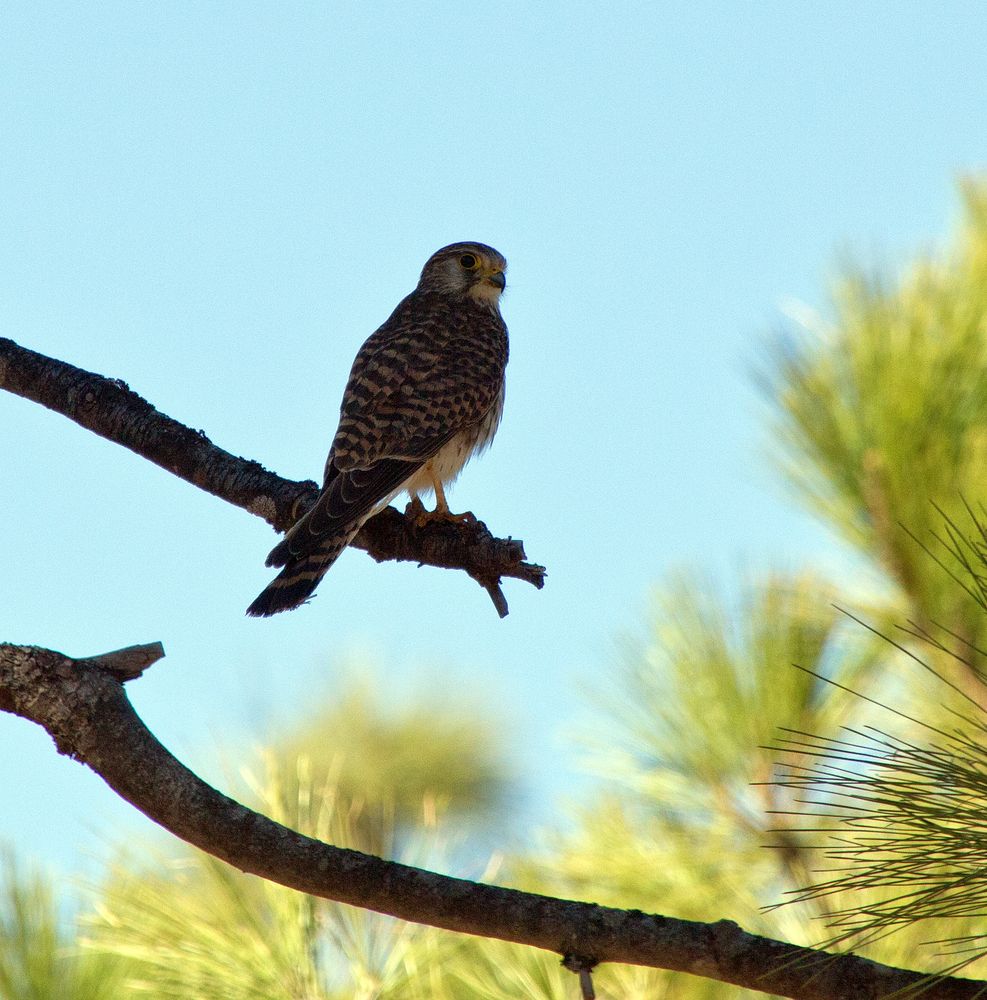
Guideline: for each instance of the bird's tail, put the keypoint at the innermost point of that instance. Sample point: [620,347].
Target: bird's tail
[296,583]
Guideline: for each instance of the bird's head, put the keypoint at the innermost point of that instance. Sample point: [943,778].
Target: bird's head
[473,270]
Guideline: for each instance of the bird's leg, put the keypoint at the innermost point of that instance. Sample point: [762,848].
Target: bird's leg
[421,516]
[441,504]
[442,511]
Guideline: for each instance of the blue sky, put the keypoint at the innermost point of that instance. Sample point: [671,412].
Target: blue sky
[219,202]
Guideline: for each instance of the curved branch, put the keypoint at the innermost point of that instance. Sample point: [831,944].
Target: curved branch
[89,716]
[109,408]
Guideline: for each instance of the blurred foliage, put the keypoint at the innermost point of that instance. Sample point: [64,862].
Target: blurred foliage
[196,927]
[684,734]
[388,760]
[883,410]
[39,959]
[883,423]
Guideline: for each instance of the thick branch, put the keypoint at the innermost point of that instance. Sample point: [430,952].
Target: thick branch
[108,407]
[87,713]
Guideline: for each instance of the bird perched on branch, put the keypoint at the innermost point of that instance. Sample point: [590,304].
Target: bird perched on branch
[425,393]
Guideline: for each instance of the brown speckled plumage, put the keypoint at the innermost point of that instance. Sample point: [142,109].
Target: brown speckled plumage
[425,393]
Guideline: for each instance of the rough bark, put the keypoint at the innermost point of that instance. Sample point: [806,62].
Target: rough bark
[109,408]
[82,704]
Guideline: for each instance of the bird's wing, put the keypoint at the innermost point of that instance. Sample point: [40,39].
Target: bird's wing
[414,385]
[345,501]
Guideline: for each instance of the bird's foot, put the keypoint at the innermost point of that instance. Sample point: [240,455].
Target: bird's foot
[416,512]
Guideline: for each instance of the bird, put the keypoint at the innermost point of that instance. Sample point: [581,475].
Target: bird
[425,394]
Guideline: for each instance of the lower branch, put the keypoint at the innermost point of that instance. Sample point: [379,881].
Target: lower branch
[82,704]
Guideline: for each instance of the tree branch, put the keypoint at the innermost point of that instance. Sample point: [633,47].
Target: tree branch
[109,407]
[84,708]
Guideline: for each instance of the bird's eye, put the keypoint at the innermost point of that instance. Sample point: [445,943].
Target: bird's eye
[468,261]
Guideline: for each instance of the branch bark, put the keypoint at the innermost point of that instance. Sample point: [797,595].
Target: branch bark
[82,704]
[109,408]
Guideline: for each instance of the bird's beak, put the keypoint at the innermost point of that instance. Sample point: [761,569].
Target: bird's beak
[497,279]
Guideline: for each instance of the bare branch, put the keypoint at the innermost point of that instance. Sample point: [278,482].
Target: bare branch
[109,407]
[129,663]
[88,714]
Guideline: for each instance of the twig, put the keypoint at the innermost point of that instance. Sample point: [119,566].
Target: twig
[126,664]
[583,967]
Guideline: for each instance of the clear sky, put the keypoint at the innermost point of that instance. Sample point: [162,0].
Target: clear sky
[218,202]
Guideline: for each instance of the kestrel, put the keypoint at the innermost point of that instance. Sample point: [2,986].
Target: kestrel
[425,394]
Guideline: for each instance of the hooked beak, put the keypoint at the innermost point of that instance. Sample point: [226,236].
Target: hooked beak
[497,279]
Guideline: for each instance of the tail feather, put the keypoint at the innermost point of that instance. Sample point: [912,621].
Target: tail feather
[296,583]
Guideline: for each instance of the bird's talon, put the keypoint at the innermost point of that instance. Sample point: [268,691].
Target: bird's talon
[422,517]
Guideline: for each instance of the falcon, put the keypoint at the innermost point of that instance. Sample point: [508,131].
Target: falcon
[425,394]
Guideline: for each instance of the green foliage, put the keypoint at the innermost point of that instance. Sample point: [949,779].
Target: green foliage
[908,817]
[884,417]
[496,970]
[391,761]
[909,826]
[713,682]
[884,409]
[196,927]
[39,957]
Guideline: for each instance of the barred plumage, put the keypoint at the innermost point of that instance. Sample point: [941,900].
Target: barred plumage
[425,393]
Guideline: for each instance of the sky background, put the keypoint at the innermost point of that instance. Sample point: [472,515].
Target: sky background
[218,202]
